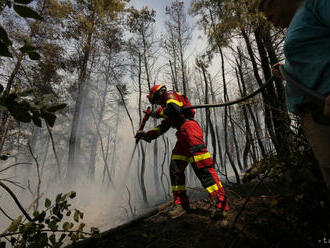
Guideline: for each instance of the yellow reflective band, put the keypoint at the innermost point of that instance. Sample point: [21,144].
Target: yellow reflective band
[178,93]
[157,130]
[161,85]
[202,157]
[196,158]
[174,101]
[212,188]
[178,188]
[162,114]
[180,157]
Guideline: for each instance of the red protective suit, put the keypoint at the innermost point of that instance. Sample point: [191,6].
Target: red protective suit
[190,148]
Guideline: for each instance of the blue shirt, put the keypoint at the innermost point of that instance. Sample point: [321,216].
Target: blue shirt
[307,51]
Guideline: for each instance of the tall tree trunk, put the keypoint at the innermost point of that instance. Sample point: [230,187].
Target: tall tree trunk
[280,91]
[91,167]
[208,117]
[266,105]
[225,99]
[279,87]
[174,79]
[248,134]
[225,96]
[174,68]
[145,60]
[183,73]
[114,145]
[155,147]
[238,152]
[206,101]
[141,174]
[248,108]
[72,166]
[281,125]
[217,134]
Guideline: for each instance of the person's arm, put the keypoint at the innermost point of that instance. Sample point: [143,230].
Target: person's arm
[158,113]
[159,130]
[155,132]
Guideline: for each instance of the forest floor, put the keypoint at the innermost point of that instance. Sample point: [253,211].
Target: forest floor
[251,222]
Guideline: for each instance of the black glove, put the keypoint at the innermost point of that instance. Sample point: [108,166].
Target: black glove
[142,135]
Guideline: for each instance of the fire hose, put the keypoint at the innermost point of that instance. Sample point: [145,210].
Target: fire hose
[303,90]
[297,86]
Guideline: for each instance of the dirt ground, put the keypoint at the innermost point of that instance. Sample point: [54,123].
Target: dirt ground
[194,229]
[251,222]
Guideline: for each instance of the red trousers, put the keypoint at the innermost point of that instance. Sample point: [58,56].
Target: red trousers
[190,148]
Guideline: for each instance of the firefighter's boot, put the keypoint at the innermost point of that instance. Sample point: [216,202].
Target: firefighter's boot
[221,208]
[178,210]
[219,214]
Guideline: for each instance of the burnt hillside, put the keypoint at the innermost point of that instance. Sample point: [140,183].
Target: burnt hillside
[252,222]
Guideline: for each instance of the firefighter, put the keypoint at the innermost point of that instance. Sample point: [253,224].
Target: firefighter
[189,148]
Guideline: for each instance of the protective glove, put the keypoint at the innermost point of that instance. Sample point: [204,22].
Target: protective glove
[142,135]
[156,114]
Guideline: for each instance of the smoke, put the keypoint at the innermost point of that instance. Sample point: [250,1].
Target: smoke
[106,201]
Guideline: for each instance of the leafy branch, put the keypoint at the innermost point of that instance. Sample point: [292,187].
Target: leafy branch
[40,231]
[21,8]
[5,187]
[24,108]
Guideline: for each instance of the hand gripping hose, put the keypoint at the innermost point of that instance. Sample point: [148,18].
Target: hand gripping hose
[147,114]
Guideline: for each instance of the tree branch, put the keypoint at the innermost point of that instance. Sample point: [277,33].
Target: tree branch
[59,231]
[6,214]
[16,201]
[13,166]
[123,100]
[38,173]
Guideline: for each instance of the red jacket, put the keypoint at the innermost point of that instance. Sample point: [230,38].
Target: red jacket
[173,112]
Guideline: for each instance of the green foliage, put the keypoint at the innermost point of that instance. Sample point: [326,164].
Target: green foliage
[21,8]
[223,19]
[140,20]
[23,109]
[30,50]
[26,12]
[41,231]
